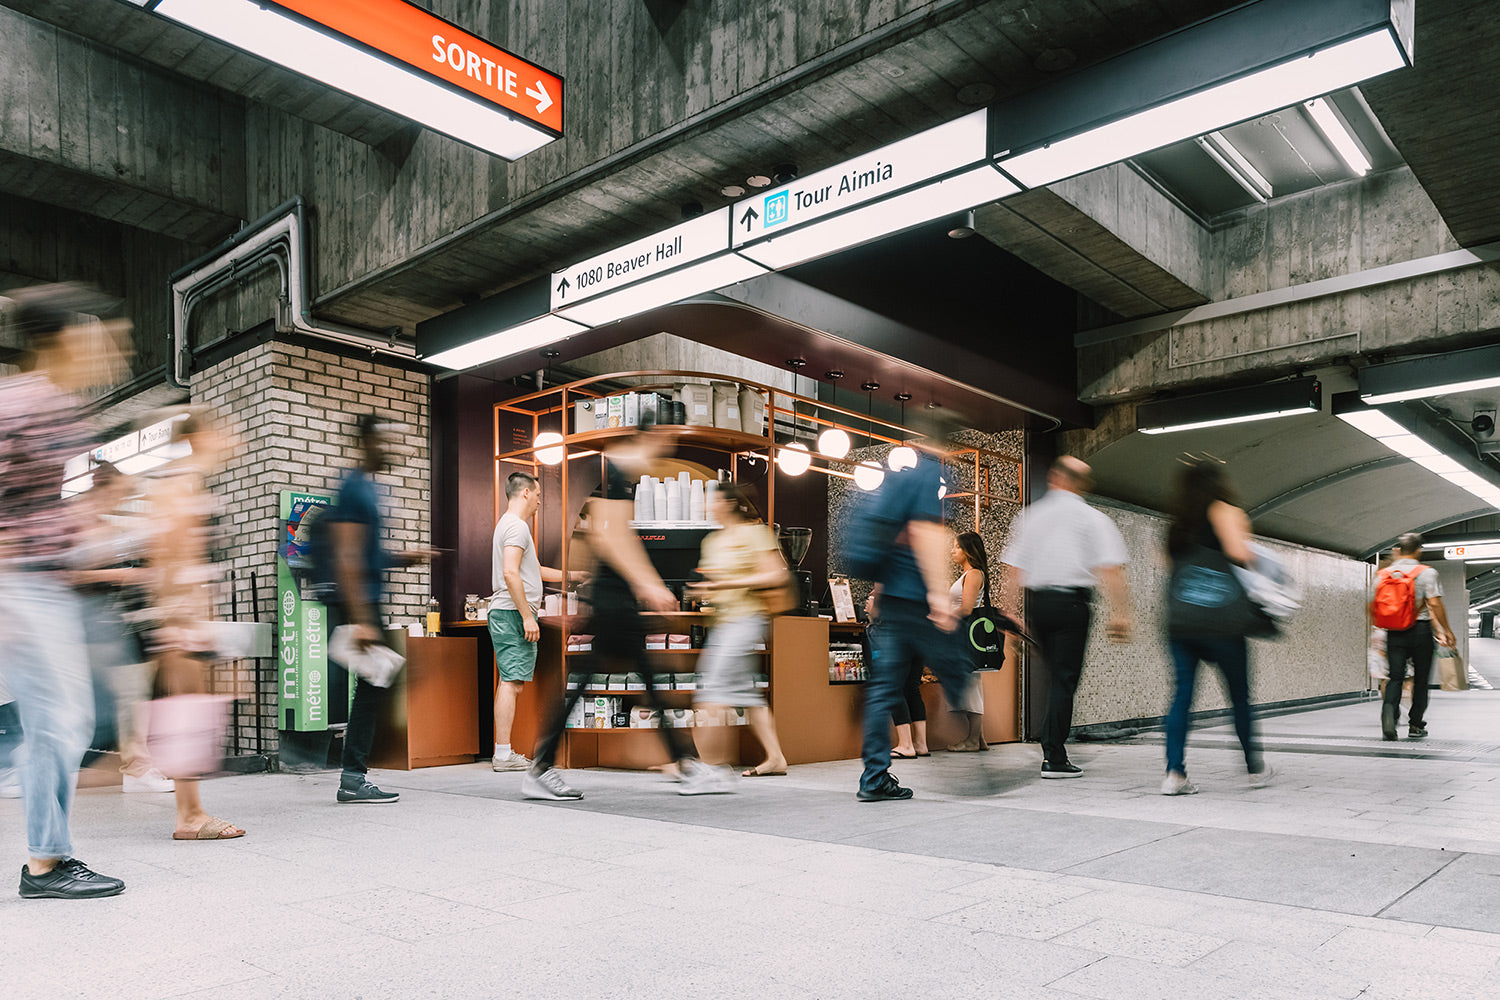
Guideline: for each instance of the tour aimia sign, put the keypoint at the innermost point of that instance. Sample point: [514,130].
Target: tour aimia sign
[397,56]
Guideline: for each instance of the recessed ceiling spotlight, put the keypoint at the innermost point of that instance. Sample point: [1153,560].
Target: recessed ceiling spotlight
[784,172]
[976,95]
[961,226]
[758,181]
[731,190]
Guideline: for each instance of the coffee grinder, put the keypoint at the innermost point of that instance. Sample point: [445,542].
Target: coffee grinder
[794,544]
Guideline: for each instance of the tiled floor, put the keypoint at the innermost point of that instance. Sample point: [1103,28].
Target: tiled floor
[1352,876]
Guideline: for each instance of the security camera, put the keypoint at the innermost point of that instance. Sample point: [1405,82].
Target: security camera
[1483,424]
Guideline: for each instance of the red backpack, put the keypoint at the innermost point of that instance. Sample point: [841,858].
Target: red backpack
[1395,603]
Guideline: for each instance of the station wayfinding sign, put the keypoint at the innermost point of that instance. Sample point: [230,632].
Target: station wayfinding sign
[649,257]
[923,157]
[1484,550]
[398,56]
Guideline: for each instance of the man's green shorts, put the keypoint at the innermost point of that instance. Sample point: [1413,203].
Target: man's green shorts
[515,658]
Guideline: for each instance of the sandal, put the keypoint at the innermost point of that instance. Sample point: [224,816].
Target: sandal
[756,773]
[903,756]
[213,828]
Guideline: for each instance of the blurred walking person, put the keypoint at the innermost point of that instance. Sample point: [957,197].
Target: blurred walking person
[740,564]
[360,559]
[1060,549]
[43,660]
[1408,603]
[624,580]
[1206,521]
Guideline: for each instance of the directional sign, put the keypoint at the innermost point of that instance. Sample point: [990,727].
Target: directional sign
[441,50]
[921,157]
[645,258]
[1485,550]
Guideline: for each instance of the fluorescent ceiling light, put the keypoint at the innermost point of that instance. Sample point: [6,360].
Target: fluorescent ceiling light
[1441,464]
[694,279]
[1486,604]
[526,336]
[1377,425]
[1240,170]
[1435,375]
[1399,439]
[304,49]
[975,187]
[1338,135]
[1279,86]
[1230,406]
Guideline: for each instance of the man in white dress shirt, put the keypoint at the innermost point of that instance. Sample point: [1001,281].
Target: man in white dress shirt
[1060,547]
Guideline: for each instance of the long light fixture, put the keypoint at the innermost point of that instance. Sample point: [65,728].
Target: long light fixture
[1240,170]
[1338,135]
[691,280]
[527,336]
[978,186]
[1230,406]
[292,38]
[1249,61]
[1438,375]
[1402,440]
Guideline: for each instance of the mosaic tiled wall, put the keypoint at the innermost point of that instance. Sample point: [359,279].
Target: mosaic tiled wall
[1321,651]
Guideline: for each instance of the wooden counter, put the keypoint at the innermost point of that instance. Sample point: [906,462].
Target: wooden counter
[431,714]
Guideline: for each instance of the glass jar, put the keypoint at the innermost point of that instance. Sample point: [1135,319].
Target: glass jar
[471,607]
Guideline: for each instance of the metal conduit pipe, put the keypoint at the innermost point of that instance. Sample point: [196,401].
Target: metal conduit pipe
[278,238]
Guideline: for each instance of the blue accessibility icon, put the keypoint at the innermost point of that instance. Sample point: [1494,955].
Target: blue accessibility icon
[777,207]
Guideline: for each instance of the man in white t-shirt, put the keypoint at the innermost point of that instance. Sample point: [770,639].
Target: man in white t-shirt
[516,576]
[1060,547]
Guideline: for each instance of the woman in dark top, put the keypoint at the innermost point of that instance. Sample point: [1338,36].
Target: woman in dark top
[1204,514]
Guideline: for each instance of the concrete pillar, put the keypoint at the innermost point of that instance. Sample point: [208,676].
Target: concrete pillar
[1455,603]
[1486,624]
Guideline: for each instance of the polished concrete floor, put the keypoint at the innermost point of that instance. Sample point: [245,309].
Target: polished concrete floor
[1357,874]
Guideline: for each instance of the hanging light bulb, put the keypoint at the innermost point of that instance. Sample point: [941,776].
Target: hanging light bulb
[833,443]
[794,459]
[901,457]
[548,447]
[868,475]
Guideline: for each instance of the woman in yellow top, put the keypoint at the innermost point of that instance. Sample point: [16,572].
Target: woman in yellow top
[740,563]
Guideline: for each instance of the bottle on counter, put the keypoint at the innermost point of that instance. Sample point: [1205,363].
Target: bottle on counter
[434,616]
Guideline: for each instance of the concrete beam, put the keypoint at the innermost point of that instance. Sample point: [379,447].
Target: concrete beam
[1110,235]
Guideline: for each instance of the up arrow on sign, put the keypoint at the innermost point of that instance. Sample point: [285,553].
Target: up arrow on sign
[749,217]
[562,288]
[543,99]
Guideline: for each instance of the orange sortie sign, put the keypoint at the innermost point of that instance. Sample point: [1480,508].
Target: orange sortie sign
[433,46]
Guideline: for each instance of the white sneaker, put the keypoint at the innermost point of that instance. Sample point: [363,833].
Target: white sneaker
[512,761]
[10,783]
[699,778]
[548,785]
[1177,784]
[152,781]
[1263,777]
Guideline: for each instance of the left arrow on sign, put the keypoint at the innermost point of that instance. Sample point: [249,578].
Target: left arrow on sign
[562,288]
[543,99]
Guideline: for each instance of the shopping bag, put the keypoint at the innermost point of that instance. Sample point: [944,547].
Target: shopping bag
[185,733]
[377,664]
[1451,671]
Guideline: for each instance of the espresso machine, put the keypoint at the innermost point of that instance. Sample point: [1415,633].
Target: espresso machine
[794,544]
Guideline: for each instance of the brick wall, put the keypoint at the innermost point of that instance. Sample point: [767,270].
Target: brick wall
[291,412]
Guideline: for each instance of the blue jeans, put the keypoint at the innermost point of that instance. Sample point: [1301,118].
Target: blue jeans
[905,635]
[1232,657]
[45,664]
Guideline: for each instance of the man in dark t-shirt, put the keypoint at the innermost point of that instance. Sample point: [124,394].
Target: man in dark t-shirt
[624,581]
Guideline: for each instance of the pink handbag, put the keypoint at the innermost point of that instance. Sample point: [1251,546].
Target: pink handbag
[185,733]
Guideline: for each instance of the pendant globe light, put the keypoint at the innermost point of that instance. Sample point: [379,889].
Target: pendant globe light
[902,456]
[834,442]
[868,475]
[794,459]
[548,445]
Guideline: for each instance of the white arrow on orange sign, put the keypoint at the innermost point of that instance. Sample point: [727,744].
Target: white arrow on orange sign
[543,99]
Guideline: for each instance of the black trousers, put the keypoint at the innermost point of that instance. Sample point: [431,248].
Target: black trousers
[364,711]
[619,647]
[1414,644]
[911,708]
[1060,621]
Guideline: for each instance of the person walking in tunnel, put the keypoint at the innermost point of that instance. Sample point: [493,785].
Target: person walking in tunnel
[1060,547]
[1407,602]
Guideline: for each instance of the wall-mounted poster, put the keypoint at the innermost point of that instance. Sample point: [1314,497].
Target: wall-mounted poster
[301,622]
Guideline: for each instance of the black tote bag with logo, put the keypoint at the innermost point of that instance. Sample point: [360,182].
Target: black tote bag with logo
[1205,597]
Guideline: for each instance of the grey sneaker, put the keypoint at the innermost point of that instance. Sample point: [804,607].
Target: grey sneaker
[1263,777]
[549,784]
[1416,732]
[365,792]
[511,762]
[1177,784]
[699,778]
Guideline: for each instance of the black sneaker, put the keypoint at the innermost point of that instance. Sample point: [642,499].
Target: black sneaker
[1063,770]
[1388,722]
[366,792]
[1416,733]
[70,879]
[889,790]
